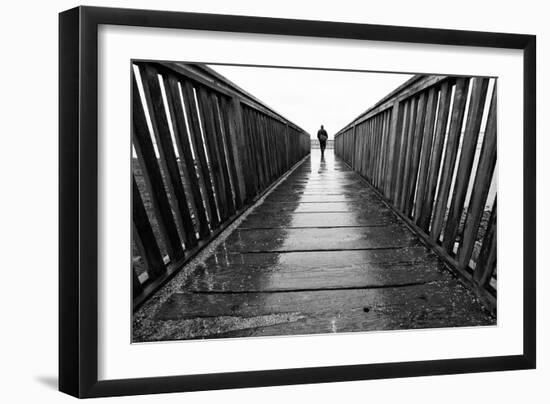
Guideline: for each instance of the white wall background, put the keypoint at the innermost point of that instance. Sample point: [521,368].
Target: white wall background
[28,169]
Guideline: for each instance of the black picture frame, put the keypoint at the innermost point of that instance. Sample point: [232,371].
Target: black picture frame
[78,201]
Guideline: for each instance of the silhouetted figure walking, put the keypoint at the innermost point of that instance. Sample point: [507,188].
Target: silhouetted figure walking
[322,136]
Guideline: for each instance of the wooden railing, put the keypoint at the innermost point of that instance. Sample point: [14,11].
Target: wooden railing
[430,150]
[203,151]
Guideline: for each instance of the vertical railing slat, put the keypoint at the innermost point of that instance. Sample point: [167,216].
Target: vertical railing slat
[165,147]
[365,149]
[185,147]
[231,133]
[159,122]
[482,185]
[402,151]
[396,128]
[465,163]
[487,257]
[451,150]
[255,141]
[144,148]
[426,152]
[408,154]
[221,154]
[415,152]
[387,147]
[215,160]
[144,237]
[253,172]
[202,163]
[435,157]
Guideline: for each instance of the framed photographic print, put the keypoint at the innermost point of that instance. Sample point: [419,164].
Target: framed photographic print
[250,201]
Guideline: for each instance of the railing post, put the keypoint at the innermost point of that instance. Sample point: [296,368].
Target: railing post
[354,151]
[236,133]
[287,146]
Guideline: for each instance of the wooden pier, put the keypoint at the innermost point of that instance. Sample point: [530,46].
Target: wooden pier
[242,229]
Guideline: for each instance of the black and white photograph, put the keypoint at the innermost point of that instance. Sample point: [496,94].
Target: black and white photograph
[276,201]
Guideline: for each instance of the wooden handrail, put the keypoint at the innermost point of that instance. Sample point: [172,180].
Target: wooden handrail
[204,151]
[429,149]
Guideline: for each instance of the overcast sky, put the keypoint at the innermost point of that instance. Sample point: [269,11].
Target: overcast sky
[310,98]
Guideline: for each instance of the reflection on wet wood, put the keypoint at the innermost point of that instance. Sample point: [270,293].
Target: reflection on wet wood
[354,187]
[297,207]
[320,197]
[360,276]
[223,260]
[350,238]
[438,303]
[312,219]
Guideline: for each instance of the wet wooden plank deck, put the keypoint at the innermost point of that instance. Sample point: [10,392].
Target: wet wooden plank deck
[321,254]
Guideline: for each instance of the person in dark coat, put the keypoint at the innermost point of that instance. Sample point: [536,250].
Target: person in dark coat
[322,136]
